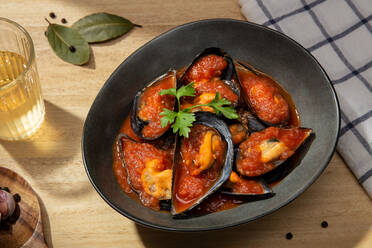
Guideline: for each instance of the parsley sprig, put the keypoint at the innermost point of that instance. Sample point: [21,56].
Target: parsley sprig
[183,119]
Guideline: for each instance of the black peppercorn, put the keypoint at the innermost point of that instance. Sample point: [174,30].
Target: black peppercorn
[72,49]
[17,198]
[63,20]
[52,15]
[324,224]
[289,235]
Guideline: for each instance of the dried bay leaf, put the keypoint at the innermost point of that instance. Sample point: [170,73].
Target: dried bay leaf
[101,27]
[68,44]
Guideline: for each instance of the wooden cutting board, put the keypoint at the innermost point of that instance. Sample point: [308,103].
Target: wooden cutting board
[27,231]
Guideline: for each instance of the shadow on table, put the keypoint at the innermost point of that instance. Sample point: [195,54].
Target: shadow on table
[46,224]
[302,218]
[230,237]
[92,61]
[49,153]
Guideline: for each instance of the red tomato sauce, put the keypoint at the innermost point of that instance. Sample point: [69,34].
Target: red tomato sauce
[191,184]
[269,101]
[126,128]
[205,68]
[247,186]
[250,162]
[206,92]
[152,104]
[238,184]
[205,73]
[216,86]
[218,202]
[119,171]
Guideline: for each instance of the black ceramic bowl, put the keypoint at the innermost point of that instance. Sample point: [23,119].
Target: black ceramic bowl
[268,51]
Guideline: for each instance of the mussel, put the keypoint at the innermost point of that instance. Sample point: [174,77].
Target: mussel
[265,150]
[203,162]
[148,169]
[148,104]
[249,121]
[246,124]
[265,97]
[212,71]
[238,133]
[240,186]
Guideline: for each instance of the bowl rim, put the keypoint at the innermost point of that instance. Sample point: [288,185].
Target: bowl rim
[237,223]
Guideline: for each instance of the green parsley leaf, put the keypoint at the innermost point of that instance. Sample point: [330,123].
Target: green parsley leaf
[183,123]
[228,112]
[171,91]
[218,101]
[168,117]
[183,120]
[186,90]
[217,104]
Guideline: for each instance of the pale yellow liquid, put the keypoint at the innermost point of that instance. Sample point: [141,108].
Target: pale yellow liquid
[21,105]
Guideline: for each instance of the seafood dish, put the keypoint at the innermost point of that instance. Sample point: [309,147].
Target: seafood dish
[207,137]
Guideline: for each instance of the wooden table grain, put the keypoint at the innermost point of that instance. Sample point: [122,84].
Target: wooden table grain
[74,214]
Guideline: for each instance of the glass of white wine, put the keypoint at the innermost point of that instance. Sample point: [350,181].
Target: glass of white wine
[21,105]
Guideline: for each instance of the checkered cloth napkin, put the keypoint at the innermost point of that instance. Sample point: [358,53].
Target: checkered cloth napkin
[339,34]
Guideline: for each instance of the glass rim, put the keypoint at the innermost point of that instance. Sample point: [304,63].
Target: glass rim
[31,53]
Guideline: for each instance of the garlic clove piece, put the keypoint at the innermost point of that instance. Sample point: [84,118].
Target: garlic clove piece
[7,204]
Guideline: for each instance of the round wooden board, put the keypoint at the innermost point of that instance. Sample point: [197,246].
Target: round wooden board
[28,229]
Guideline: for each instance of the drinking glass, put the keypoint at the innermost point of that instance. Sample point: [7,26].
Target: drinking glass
[21,105]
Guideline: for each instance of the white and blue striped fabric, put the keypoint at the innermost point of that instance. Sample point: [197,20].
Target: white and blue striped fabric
[339,34]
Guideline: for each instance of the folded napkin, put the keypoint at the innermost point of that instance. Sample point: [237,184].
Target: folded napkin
[339,34]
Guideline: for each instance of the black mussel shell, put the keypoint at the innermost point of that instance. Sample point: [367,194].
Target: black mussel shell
[119,143]
[278,162]
[137,123]
[250,122]
[246,100]
[210,120]
[228,74]
[163,204]
[281,171]
[267,191]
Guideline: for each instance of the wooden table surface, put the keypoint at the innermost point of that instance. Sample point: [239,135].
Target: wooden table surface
[74,214]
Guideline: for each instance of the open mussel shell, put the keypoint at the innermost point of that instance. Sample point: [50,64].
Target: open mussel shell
[238,131]
[242,127]
[148,129]
[250,122]
[283,170]
[263,192]
[121,154]
[209,120]
[271,151]
[228,75]
[164,202]
[282,111]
